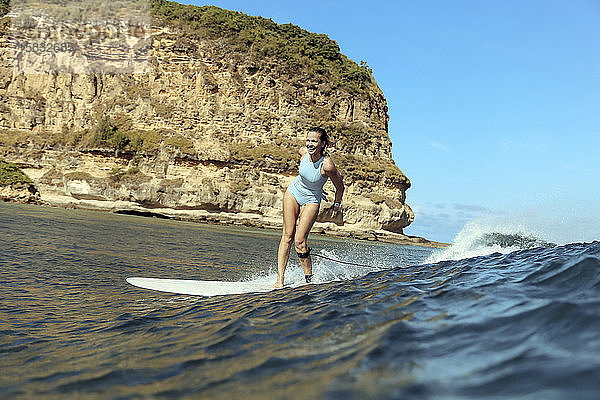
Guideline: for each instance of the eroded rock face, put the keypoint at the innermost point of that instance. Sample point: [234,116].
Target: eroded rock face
[27,194]
[216,131]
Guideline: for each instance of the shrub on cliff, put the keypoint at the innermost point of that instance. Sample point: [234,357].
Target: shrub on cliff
[11,174]
[132,176]
[183,146]
[107,133]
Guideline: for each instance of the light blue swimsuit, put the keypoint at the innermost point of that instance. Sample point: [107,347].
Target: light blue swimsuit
[308,186]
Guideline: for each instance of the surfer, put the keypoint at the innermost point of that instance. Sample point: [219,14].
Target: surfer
[302,200]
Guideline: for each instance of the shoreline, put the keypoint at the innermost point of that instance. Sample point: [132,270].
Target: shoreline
[222,218]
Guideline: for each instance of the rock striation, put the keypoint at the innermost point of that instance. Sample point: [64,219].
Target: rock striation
[209,131]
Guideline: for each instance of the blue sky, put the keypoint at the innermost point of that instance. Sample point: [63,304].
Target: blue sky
[494,105]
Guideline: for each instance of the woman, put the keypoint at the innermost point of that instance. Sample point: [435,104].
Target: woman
[302,199]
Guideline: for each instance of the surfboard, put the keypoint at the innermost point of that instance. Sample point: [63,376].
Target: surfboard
[201,288]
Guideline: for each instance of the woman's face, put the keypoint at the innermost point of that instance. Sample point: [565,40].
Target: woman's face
[313,143]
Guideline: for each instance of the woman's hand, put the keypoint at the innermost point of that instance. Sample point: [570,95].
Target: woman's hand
[333,214]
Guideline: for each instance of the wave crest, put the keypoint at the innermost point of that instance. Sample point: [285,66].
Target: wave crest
[479,238]
[511,240]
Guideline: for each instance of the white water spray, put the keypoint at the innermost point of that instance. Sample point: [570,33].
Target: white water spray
[508,233]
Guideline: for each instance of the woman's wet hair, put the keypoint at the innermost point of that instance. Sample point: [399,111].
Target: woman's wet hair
[323,136]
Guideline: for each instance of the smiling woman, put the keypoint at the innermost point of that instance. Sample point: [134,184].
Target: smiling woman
[302,200]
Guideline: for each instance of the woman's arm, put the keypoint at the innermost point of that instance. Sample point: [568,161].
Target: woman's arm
[332,172]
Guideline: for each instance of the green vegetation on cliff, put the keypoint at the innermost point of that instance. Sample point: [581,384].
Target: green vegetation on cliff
[132,176]
[107,133]
[118,136]
[241,152]
[359,168]
[11,174]
[302,51]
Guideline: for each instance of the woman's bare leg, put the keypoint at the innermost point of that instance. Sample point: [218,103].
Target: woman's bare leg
[291,209]
[308,216]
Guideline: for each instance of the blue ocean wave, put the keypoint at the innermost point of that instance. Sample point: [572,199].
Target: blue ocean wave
[474,321]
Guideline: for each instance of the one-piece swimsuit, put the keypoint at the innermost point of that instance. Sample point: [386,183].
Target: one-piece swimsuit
[307,187]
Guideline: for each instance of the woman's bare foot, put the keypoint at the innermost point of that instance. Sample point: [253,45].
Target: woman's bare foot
[278,284]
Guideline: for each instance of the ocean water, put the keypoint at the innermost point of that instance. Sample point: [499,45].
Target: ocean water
[501,314]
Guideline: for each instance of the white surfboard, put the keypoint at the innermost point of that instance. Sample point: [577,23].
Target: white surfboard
[201,288]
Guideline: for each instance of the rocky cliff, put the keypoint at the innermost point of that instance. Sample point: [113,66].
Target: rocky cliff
[205,123]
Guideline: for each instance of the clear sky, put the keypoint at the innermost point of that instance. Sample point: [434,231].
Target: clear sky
[494,104]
